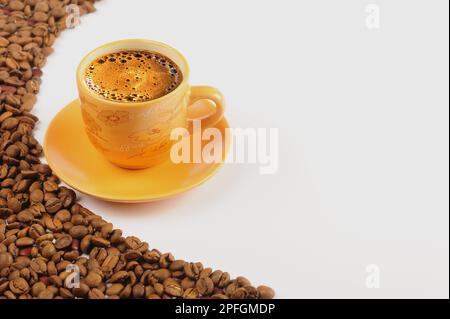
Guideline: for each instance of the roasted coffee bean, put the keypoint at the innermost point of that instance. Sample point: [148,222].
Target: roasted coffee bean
[242,281]
[110,263]
[25,241]
[119,276]
[161,274]
[26,252]
[132,255]
[205,286]
[116,237]
[252,292]
[126,292]
[48,250]
[96,294]
[265,292]
[77,220]
[106,230]
[63,242]
[25,216]
[191,293]
[10,123]
[75,245]
[81,291]
[37,289]
[5,260]
[44,238]
[19,286]
[14,204]
[93,279]
[114,289]
[173,288]
[177,265]
[65,293]
[78,231]
[45,235]
[53,205]
[16,5]
[50,186]
[85,243]
[231,288]
[64,216]
[206,272]
[99,242]
[166,259]
[187,283]
[191,270]
[45,294]
[36,230]
[224,280]
[239,293]
[138,291]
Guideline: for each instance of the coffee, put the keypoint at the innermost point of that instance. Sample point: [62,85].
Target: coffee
[132,76]
[46,237]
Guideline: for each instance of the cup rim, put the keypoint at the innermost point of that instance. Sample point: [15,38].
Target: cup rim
[82,84]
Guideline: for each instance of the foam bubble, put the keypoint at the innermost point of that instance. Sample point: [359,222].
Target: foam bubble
[133,76]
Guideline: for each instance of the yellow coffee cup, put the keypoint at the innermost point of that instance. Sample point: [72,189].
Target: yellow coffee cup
[136,135]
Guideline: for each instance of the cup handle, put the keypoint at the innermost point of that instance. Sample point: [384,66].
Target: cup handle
[207,93]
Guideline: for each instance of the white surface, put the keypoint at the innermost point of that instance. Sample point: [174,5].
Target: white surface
[363,119]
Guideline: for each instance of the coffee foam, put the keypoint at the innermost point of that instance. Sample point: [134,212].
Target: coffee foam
[132,76]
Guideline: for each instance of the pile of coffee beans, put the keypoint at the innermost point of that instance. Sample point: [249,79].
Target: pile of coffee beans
[51,246]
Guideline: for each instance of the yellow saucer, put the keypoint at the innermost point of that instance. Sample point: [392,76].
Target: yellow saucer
[77,163]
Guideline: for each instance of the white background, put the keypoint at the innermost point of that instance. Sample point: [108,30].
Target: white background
[363,120]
